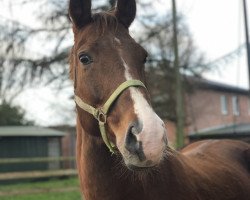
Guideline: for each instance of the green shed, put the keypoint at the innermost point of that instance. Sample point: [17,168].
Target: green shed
[29,142]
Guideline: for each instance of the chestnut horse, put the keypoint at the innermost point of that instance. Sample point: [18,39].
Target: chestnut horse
[114,114]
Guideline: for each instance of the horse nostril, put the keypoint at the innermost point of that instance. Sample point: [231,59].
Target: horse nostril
[134,130]
[132,144]
[131,140]
[135,127]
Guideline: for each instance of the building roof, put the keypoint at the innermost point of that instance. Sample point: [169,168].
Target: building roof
[207,84]
[65,128]
[230,131]
[35,131]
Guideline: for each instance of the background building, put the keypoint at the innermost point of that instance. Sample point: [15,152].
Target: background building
[215,110]
[29,142]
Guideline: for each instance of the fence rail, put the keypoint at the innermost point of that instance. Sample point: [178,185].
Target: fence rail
[34,159]
[36,173]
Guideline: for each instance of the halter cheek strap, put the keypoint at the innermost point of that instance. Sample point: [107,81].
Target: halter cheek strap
[101,113]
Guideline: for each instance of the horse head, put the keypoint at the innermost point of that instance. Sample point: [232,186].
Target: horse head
[105,56]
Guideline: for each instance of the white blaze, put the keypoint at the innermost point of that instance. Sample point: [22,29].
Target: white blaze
[153,127]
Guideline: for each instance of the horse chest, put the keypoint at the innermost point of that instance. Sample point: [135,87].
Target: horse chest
[108,186]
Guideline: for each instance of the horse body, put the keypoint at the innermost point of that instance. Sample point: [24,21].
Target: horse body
[212,170]
[103,58]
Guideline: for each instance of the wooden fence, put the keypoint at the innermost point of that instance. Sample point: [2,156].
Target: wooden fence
[36,174]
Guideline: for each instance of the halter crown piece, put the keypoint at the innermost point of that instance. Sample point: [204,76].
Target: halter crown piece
[101,113]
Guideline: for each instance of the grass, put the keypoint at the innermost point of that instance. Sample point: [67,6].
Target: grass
[46,196]
[63,189]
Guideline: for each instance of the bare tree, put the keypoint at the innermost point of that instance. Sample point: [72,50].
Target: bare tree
[157,37]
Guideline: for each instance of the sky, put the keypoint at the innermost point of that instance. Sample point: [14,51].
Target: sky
[216,27]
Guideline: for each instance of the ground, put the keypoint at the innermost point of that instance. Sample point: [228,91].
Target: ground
[63,189]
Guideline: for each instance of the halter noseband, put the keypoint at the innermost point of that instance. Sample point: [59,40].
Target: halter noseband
[101,113]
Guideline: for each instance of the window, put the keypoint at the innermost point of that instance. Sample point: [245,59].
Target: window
[223,102]
[235,104]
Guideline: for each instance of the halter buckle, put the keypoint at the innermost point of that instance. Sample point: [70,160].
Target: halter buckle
[101,116]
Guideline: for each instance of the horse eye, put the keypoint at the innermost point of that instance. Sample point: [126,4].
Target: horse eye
[145,60]
[85,59]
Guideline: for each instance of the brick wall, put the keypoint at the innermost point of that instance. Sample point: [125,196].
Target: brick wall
[203,110]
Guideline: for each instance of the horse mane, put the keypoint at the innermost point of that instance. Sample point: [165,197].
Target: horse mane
[101,22]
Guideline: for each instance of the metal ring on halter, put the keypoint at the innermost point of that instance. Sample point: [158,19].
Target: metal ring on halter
[101,117]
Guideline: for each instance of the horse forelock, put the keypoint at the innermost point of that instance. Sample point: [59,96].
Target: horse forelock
[104,21]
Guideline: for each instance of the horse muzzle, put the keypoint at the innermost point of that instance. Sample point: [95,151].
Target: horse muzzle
[144,145]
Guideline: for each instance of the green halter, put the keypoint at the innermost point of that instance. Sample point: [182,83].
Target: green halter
[101,113]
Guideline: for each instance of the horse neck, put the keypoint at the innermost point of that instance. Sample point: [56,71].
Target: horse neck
[99,171]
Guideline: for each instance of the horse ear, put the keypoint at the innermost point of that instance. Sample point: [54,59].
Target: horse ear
[80,12]
[125,11]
